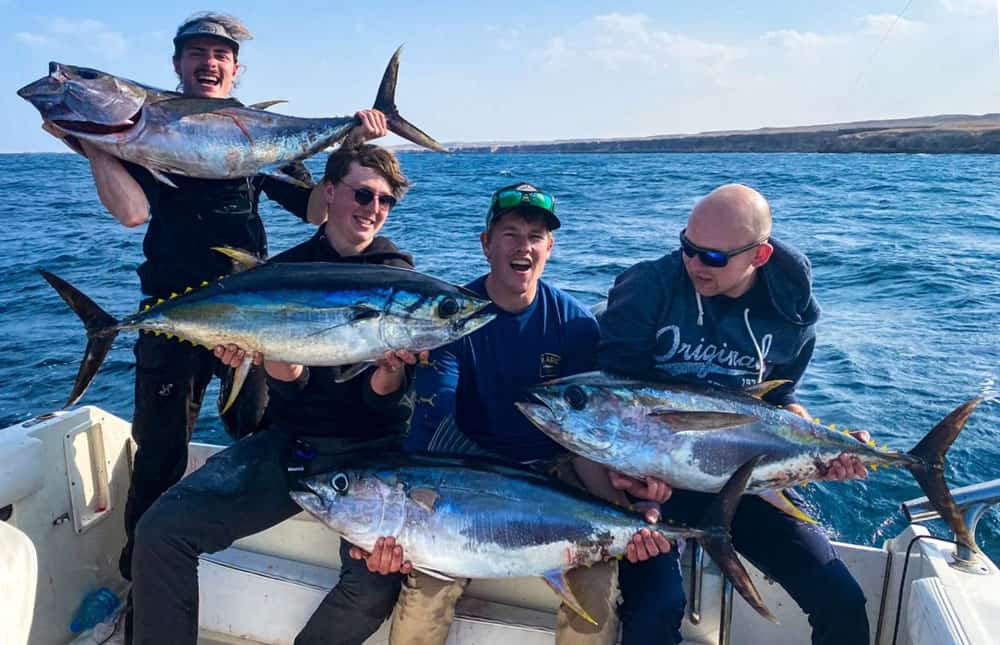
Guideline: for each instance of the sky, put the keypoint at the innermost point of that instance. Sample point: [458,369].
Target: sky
[515,70]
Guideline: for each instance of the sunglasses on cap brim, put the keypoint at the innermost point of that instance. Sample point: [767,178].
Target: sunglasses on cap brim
[512,198]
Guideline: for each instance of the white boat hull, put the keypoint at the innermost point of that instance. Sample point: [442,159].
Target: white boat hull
[66,478]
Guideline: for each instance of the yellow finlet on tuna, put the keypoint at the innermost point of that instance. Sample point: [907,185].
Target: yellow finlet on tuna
[759,390]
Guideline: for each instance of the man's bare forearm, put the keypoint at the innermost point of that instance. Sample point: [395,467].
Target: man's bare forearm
[119,192]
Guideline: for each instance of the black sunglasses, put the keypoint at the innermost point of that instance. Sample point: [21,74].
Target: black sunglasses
[713,257]
[364,196]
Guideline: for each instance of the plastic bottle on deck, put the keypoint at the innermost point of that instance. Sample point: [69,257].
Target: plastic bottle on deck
[95,608]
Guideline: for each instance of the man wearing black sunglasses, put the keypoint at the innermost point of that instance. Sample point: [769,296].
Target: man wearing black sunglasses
[312,422]
[731,307]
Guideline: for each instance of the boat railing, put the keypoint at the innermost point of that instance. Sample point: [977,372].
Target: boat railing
[973,501]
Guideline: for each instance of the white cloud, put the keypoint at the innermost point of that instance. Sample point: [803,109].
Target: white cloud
[92,35]
[32,40]
[507,38]
[800,40]
[617,42]
[969,7]
[556,54]
[888,24]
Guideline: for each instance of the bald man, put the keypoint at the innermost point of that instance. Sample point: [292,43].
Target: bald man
[731,307]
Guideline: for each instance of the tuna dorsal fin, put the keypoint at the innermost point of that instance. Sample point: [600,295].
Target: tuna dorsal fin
[434,574]
[185,106]
[425,498]
[761,389]
[263,105]
[557,580]
[244,258]
[780,501]
[683,421]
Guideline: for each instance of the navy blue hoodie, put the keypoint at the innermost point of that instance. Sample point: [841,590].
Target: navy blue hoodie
[657,326]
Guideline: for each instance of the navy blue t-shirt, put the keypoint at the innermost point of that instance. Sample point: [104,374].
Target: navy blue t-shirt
[480,376]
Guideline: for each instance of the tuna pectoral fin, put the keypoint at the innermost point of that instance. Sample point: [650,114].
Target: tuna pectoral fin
[717,543]
[929,471]
[557,580]
[434,574]
[385,101]
[275,172]
[780,501]
[101,331]
[681,421]
[160,177]
[345,373]
[243,258]
[239,378]
[348,316]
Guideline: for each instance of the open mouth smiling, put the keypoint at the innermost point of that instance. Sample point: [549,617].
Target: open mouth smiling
[521,266]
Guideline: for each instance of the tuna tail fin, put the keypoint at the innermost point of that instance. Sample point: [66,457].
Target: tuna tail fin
[718,543]
[929,470]
[101,331]
[385,101]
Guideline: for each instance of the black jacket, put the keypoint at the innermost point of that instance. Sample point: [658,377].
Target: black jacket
[185,222]
[656,326]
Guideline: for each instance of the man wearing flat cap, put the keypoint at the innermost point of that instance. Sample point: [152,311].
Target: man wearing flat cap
[184,223]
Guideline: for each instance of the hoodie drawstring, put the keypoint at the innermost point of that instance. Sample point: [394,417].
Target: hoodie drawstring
[701,311]
[756,345]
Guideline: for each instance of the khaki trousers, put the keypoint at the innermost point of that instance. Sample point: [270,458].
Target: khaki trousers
[426,605]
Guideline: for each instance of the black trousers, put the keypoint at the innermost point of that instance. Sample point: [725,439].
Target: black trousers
[170,382]
[796,555]
[240,491]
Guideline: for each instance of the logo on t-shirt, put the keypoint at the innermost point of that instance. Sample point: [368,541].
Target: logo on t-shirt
[548,365]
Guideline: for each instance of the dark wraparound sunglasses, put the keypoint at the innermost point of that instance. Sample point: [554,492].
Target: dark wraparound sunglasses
[364,196]
[713,257]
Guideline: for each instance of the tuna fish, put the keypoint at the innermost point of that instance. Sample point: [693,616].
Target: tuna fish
[694,438]
[487,519]
[166,132]
[323,313]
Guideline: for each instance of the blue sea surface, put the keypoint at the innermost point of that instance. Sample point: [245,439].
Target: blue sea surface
[905,252]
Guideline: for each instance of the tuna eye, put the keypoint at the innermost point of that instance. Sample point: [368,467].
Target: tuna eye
[340,483]
[576,397]
[448,308]
[87,74]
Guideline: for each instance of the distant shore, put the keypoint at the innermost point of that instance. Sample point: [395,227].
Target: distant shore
[944,134]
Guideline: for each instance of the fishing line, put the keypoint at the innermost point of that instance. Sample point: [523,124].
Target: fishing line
[878,46]
[902,578]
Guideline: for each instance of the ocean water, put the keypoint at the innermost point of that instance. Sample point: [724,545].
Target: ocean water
[905,251]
